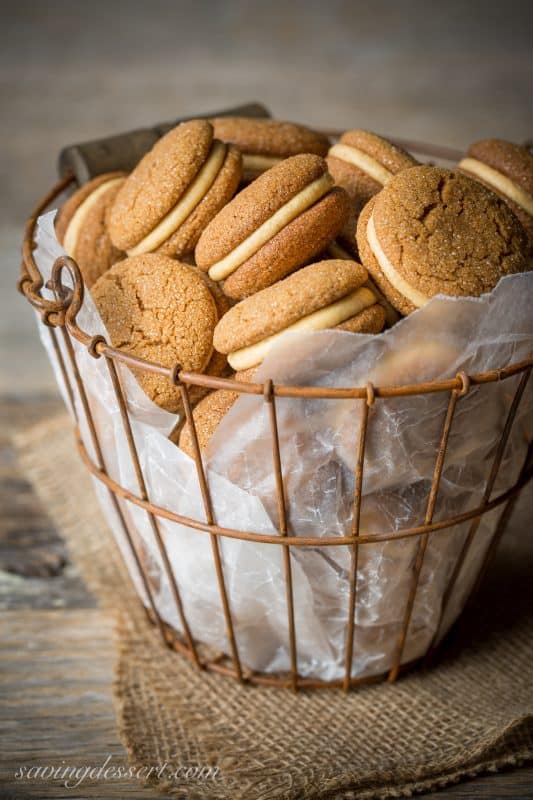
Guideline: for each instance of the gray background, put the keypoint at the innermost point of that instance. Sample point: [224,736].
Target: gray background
[447,72]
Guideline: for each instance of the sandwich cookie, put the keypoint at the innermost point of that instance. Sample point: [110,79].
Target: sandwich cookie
[282,220]
[335,250]
[363,163]
[328,294]
[265,142]
[433,231]
[507,169]
[159,309]
[207,415]
[174,191]
[80,226]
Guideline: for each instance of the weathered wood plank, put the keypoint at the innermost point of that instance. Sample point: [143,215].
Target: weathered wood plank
[57,707]
[35,570]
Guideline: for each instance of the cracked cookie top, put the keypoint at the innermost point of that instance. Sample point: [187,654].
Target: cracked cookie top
[162,310]
[445,233]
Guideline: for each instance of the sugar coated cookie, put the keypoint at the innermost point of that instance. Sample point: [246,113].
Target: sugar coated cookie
[207,415]
[161,310]
[265,142]
[81,226]
[328,294]
[174,191]
[362,163]
[281,221]
[507,169]
[433,231]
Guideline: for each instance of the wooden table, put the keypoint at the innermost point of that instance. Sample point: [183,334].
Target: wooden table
[57,660]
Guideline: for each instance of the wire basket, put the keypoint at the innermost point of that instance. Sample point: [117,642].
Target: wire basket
[60,316]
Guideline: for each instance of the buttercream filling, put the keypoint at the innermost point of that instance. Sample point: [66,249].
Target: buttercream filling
[72,233]
[252,162]
[327,317]
[363,161]
[402,286]
[501,182]
[292,209]
[186,204]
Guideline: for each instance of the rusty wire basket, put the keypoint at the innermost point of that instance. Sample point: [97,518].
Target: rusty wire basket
[60,315]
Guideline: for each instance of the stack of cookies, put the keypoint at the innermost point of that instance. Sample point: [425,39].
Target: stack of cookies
[232,231]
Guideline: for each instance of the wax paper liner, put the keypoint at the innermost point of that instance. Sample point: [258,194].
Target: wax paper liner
[318,442]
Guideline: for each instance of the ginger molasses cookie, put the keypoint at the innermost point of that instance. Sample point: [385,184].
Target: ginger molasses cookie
[362,163]
[328,294]
[80,226]
[265,142]
[280,221]
[174,191]
[507,169]
[161,310]
[207,416]
[433,231]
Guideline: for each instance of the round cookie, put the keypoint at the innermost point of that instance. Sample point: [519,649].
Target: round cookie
[161,310]
[281,221]
[328,294]
[174,191]
[433,231]
[80,226]
[246,376]
[507,169]
[265,142]
[362,163]
[207,416]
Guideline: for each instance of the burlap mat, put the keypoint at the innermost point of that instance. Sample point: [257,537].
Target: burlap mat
[471,713]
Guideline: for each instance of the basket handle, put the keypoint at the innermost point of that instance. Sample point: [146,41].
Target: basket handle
[123,151]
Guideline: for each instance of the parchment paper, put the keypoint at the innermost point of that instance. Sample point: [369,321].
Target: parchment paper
[318,440]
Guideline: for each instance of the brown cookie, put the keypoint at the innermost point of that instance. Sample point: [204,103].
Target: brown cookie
[207,416]
[323,295]
[80,226]
[297,243]
[507,169]
[265,142]
[362,163]
[433,231]
[283,219]
[174,191]
[161,310]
